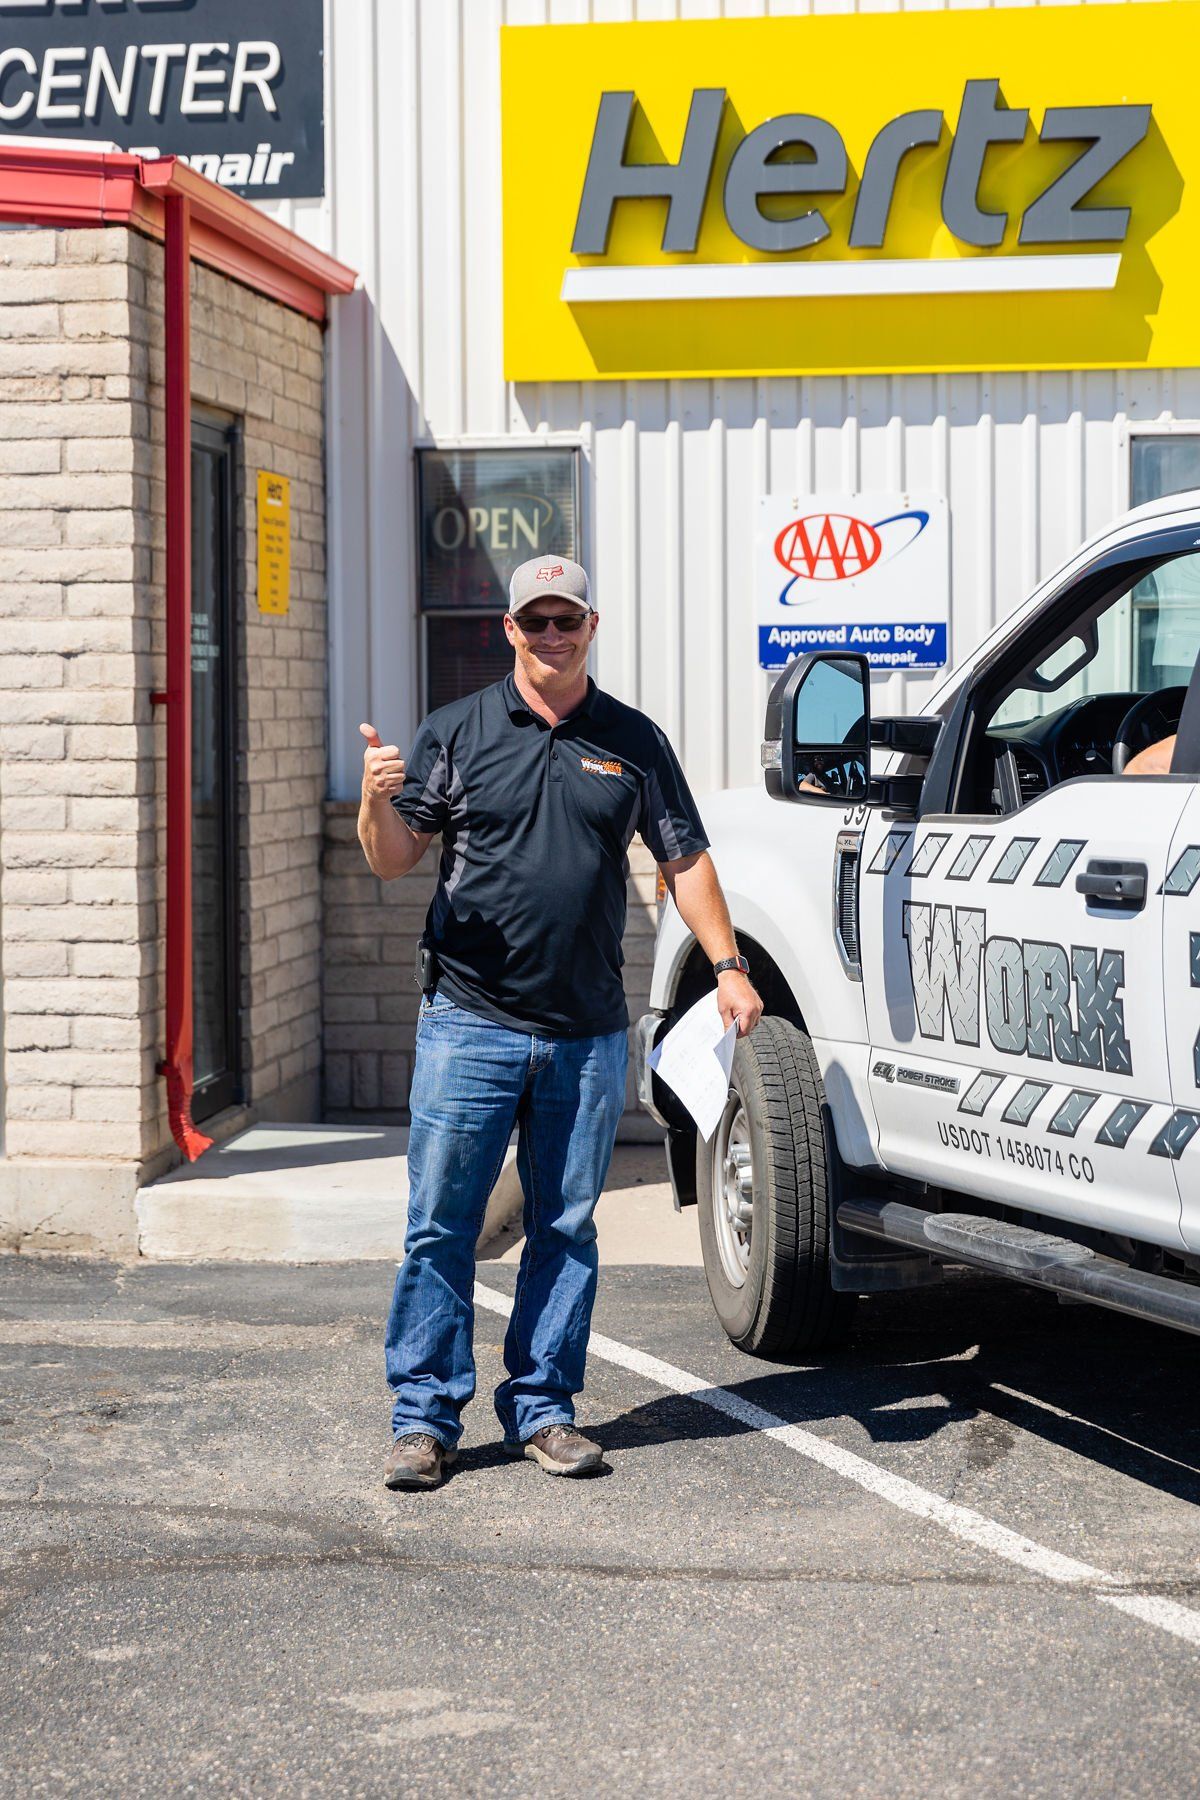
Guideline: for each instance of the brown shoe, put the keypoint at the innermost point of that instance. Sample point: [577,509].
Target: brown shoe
[559,1449]
[416,1460]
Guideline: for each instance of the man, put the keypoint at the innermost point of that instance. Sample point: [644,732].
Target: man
[536,786]
[1155,759]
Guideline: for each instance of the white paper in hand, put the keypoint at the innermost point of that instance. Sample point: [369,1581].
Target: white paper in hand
[694,1059]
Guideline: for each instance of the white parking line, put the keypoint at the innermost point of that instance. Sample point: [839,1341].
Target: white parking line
[960,1521]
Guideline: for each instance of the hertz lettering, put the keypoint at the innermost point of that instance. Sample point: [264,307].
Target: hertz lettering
[1106,133]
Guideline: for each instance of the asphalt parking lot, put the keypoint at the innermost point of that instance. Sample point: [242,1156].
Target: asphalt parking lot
[204,1587]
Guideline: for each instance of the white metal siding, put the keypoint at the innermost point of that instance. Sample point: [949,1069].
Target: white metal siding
[1030,463]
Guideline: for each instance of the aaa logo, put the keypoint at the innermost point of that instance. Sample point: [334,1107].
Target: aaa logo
[839,547]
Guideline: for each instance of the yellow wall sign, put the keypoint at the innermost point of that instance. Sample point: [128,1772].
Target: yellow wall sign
[274,541]
[1011,189]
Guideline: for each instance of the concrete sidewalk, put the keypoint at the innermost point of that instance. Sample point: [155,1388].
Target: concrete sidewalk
[296,1193]
[636,1221]
[339,1193]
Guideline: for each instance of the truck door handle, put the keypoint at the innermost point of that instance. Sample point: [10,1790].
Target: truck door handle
[1121,885]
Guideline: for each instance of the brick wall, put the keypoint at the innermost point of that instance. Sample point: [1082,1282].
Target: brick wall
[76,779]
[82,757]
[371,931]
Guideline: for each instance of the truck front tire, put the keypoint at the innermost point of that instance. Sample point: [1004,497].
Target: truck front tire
[764,1184]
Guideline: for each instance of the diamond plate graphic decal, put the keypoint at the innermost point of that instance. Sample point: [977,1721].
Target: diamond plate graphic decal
[1185,872]
[1013,860]
[1048,995]
[1121,1123]
[1071,1114]
[978,1096]
[1099,977]
[1176,1134]
[968,859]
[1058,864]
[1025,1102]
[888,851]
[943,955]
[927,852]
[1004,992]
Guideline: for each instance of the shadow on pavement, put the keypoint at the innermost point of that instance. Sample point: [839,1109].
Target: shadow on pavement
[1123,1394]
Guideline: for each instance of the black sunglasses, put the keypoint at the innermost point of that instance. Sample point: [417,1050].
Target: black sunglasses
[564,621]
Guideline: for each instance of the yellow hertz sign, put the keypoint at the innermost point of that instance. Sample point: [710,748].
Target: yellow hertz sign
[854,193]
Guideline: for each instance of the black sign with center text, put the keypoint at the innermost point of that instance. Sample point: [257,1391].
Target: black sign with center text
[233,86]
[483,512]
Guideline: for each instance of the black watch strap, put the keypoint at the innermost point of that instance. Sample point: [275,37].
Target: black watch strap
[731,962]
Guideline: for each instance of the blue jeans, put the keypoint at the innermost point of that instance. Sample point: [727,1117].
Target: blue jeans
[472,1083]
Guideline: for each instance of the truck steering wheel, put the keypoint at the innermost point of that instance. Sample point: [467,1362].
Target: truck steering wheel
[1152,716]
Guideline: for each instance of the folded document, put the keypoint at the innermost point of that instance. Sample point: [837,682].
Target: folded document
[695,1059]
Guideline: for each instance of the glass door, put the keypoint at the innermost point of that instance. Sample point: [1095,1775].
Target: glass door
[217,1045]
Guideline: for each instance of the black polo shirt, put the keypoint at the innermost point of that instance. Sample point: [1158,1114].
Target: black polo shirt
[535,820]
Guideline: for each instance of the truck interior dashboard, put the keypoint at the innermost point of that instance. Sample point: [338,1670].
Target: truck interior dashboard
[1078,739]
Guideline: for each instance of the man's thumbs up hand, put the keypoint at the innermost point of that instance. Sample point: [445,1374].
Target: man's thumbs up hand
[383,770]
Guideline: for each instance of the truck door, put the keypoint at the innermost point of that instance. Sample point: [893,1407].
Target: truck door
[1016,1024]
[1181,996]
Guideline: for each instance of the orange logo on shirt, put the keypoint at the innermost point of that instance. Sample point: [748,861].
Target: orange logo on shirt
[595,767]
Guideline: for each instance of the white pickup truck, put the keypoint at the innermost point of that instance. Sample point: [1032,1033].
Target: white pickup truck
[978,944]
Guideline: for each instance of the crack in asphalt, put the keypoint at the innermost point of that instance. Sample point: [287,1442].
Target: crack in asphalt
[78,1568]
[187,1334]
[61,1564]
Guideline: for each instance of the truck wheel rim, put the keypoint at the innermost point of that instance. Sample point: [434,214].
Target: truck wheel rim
[732,1190]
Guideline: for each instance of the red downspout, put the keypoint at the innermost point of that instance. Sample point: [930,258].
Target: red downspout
[177,1065]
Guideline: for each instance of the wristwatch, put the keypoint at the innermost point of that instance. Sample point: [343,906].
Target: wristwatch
[731,962]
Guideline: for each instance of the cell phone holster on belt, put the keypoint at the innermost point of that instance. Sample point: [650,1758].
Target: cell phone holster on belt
[425,974]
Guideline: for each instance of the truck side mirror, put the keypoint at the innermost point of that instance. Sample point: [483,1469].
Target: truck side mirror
[817,731]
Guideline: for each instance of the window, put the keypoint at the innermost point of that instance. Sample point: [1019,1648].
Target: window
[1101,673]
[1163,463]
[1071,709]
[1126,649]
[1147,638]
[482,513]
[1166,606]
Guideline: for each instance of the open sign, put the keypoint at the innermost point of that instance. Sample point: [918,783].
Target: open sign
[483,512]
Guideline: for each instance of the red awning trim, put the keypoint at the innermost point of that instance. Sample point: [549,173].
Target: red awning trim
[53,186]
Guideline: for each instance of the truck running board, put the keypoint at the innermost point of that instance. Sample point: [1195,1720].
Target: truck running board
[1035,1257]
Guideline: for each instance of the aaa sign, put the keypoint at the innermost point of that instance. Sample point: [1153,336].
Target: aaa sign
[862,572]
[854,193]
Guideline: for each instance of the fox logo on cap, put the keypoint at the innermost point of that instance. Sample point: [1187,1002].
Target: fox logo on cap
[548,574]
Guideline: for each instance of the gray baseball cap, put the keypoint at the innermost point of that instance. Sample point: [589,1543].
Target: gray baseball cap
[544,575]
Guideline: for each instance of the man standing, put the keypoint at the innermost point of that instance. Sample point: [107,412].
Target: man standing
[536,786]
